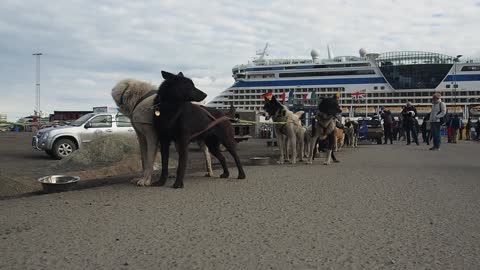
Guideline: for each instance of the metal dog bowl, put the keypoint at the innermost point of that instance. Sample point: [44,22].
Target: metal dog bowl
[260,160]
[58,183]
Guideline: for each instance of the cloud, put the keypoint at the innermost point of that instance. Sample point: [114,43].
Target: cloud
[90,45]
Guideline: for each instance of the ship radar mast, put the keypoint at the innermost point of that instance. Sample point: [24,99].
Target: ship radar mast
[261,55]
[330,53]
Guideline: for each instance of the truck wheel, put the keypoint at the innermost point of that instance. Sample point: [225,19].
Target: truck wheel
[63,148]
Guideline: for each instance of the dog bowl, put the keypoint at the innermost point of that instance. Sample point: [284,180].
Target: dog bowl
[260,160]
[58,183]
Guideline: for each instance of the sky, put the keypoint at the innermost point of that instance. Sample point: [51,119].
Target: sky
[90,45]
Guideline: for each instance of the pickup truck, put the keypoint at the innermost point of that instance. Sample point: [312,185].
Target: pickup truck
[59,142]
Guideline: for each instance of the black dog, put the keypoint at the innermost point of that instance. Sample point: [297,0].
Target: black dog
[177,119]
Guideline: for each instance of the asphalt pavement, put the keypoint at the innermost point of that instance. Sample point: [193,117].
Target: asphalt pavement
[382,207]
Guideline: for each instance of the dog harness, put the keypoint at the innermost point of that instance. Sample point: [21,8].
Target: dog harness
[320,123]
[147,95]
[215,122]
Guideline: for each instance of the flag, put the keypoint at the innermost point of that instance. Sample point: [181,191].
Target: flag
[359,94]
[268,95]
[291,95]
[283,97]
[310,95]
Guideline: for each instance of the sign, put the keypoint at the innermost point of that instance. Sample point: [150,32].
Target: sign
[105,109]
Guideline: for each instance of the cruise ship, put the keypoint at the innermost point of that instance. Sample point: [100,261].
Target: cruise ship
[362,83]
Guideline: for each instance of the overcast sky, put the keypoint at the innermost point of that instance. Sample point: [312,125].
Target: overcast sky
[89,45]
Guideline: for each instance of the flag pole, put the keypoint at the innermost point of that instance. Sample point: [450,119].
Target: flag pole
[366,103]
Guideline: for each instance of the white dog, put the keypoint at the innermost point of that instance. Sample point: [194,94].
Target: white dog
[135,100]
[289,131]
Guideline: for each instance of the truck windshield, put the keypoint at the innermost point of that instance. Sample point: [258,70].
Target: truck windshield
[80,121]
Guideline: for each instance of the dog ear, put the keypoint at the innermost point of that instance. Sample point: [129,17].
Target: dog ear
[167,75]
[180,74]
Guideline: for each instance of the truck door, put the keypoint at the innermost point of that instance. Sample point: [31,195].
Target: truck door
[97,126]
[123,125]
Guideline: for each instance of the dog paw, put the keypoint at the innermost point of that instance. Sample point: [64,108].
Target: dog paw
[177,185]
[134,181]
[326,163]
[224,175]
[161,182]
[308,162]
[144,182]
[209,175]
[280,162]
[336,161]
[241,176]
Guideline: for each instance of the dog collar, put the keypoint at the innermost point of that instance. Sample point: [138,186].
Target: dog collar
[121,97]
[147,95]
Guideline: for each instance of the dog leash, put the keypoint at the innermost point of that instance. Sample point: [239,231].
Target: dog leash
[215,122]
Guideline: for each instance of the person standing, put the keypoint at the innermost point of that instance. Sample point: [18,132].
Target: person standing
[409,113]
[426,129]
[387,125]
[456,126]
[401,129]
[468,131]
[449,124]
[395,129]
[436,115]
[477,130]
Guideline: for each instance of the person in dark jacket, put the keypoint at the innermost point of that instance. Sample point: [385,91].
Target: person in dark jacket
[456,126]
[387,125]
[395,129]
[449,124]
[477,129]
[409,113]
[468,131]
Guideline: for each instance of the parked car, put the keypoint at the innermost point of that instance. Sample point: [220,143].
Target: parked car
[61,141]
[370,129]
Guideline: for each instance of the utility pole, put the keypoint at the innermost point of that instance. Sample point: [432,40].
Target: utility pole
[37,83]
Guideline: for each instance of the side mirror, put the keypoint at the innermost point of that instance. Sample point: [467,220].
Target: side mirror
[87,125]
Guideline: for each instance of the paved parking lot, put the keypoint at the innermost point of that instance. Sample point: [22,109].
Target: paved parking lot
[382,207]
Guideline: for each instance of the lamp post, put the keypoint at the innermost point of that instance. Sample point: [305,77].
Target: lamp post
[455,85]
[37,83]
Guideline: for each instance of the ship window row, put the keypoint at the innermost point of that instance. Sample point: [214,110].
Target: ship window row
[414,101]
[307,67]
[261,76]
[327,73]
[395,95]
[471,68]
[295,90]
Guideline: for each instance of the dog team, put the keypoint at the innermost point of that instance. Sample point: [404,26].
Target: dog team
[169,114]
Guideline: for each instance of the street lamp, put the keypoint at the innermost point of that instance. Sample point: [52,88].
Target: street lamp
[37,83]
